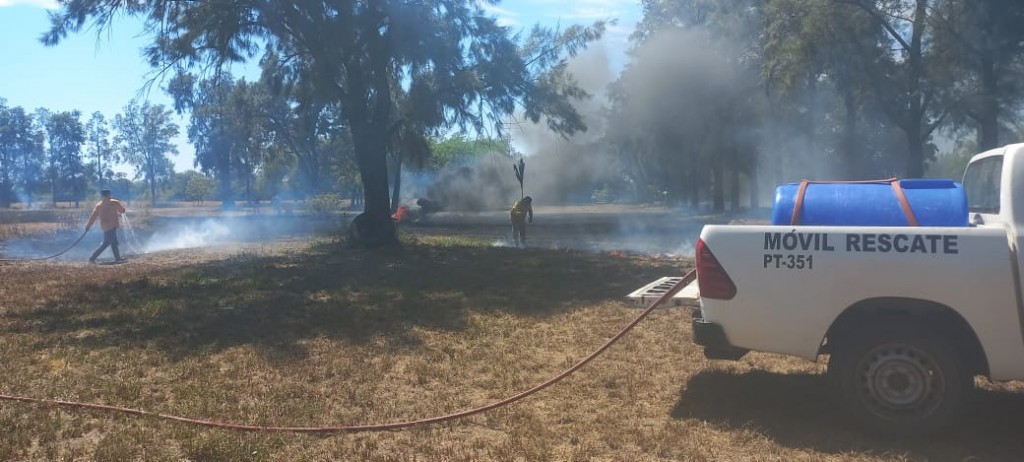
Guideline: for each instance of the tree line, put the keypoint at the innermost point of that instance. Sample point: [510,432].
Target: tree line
[57,155]
[721,93]
[249,145]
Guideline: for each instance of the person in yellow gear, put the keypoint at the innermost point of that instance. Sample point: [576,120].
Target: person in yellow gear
[522,209]
[109,211]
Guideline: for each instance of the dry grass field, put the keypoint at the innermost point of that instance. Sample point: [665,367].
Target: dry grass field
[20,224]
[311,332]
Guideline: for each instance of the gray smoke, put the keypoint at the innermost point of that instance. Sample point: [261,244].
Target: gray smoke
[475,185]
[559,170]
[569,170]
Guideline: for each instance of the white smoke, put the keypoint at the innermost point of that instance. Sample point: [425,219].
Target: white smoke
[189,236]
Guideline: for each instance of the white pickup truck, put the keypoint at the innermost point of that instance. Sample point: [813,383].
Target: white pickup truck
[908,315]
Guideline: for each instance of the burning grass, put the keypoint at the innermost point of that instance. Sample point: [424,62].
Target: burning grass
[300,333]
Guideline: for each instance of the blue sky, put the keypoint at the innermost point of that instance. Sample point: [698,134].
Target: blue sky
[91,72]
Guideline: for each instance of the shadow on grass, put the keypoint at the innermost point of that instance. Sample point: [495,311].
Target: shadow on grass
[272,303]
[798,411]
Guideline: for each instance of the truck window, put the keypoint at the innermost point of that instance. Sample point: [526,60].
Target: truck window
[981,182]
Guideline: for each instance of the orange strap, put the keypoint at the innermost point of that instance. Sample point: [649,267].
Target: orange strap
[894,182]
[799,205]
[904,204]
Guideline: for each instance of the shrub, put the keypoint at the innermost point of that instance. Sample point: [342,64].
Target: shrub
[325,204]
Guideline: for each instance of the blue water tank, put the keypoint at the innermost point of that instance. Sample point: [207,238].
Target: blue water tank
[935,202]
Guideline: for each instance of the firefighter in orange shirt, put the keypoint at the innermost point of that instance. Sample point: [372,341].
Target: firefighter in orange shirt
[109,211]
[520,210]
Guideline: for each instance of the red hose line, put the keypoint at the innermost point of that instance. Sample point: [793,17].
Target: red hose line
[689,277]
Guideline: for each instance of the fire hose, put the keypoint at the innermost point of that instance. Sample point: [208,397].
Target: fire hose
[689,277]
[62,252]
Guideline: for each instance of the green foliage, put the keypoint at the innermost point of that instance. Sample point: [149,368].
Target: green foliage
[325,204]
[979,46]
[144,136]
[246,125]
[310,139]
[100,149]
[209,128]
[64,169]
[124,189]
[200,188]
[21,153]
[952,164]
[604,195]
[458,148]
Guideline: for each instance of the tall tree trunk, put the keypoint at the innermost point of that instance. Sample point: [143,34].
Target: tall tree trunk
[373,227]
[694,194]
[396,189]
[915,115]
[734,189]
[248,190]
[850,153]
[718,168]
[755,186]
[6,188]
[369,114]
[695,178]
[915,152]
[152,186]
[227,200]
[988,115]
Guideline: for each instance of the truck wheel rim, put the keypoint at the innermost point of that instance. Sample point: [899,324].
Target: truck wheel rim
[900,382]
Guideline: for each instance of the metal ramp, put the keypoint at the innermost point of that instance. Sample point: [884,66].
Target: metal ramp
[689,296]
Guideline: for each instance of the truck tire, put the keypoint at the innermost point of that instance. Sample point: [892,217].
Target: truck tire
[897,378]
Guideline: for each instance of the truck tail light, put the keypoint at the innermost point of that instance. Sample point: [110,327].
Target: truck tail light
[712,279]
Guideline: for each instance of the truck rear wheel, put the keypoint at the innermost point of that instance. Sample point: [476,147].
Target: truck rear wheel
[899,379]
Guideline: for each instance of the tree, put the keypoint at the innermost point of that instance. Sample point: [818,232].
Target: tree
[952,164]
[31,164]
[685,113]
[812,56]
[144,136]
[904,81]
[199,187]
[248,129]
[454,149]
[309,129]
[457,65]
[982,46]
[65,135]
[20,152]
[100,148]
[209,128]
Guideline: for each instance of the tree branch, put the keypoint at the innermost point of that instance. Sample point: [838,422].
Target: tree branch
[880,17]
